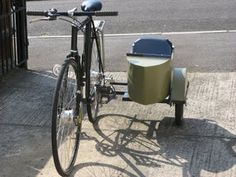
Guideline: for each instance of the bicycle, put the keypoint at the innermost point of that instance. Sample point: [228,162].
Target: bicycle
[81,81]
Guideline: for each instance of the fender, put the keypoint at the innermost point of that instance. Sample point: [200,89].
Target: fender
[179,85]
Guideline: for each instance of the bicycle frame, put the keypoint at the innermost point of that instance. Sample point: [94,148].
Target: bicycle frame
[90,32]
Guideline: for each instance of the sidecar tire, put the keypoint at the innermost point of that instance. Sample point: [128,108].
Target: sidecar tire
[179,110]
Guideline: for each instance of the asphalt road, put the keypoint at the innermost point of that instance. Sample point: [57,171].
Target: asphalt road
[147,16]
[198,52]
[209,52]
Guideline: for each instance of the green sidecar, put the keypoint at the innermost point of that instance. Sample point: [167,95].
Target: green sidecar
[153,79]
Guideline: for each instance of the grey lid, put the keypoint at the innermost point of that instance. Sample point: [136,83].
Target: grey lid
[153,46]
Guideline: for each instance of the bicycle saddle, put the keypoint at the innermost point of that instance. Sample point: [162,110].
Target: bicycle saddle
[91,5]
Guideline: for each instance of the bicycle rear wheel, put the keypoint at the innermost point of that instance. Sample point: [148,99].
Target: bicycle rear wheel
[94,79]
[66,118]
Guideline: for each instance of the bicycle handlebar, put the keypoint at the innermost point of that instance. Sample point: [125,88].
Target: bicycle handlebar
[37,13]
[49,14]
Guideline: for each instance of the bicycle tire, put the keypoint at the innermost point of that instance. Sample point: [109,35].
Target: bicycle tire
[179,111]
[92,82]
[67,110]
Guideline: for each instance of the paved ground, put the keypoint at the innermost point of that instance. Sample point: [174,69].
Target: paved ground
[129,139]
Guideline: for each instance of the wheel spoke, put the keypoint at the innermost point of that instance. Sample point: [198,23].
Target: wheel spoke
[65,108]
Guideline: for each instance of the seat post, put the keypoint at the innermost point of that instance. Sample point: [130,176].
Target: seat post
[74,33]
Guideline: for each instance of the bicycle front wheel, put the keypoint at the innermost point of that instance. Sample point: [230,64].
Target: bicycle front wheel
[66,118]
[93,81]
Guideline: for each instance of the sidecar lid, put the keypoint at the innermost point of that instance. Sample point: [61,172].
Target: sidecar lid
[145,60]
[153,46]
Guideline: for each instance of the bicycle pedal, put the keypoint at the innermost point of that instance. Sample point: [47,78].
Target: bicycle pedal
[106,99]
[107,93]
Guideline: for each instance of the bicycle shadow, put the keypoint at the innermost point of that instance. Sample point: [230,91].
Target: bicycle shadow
[198,145]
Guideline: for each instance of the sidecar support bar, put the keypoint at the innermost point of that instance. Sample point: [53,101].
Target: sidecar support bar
[125,94]
[126,97]
[118,83]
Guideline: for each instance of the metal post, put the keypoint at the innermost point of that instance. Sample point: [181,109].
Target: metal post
[21,33]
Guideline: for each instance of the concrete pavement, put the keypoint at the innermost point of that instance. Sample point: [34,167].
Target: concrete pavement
[129,139]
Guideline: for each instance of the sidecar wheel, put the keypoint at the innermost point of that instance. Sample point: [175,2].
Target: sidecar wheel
[179,110]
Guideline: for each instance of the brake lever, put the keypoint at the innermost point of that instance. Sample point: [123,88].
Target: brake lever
[50,18]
